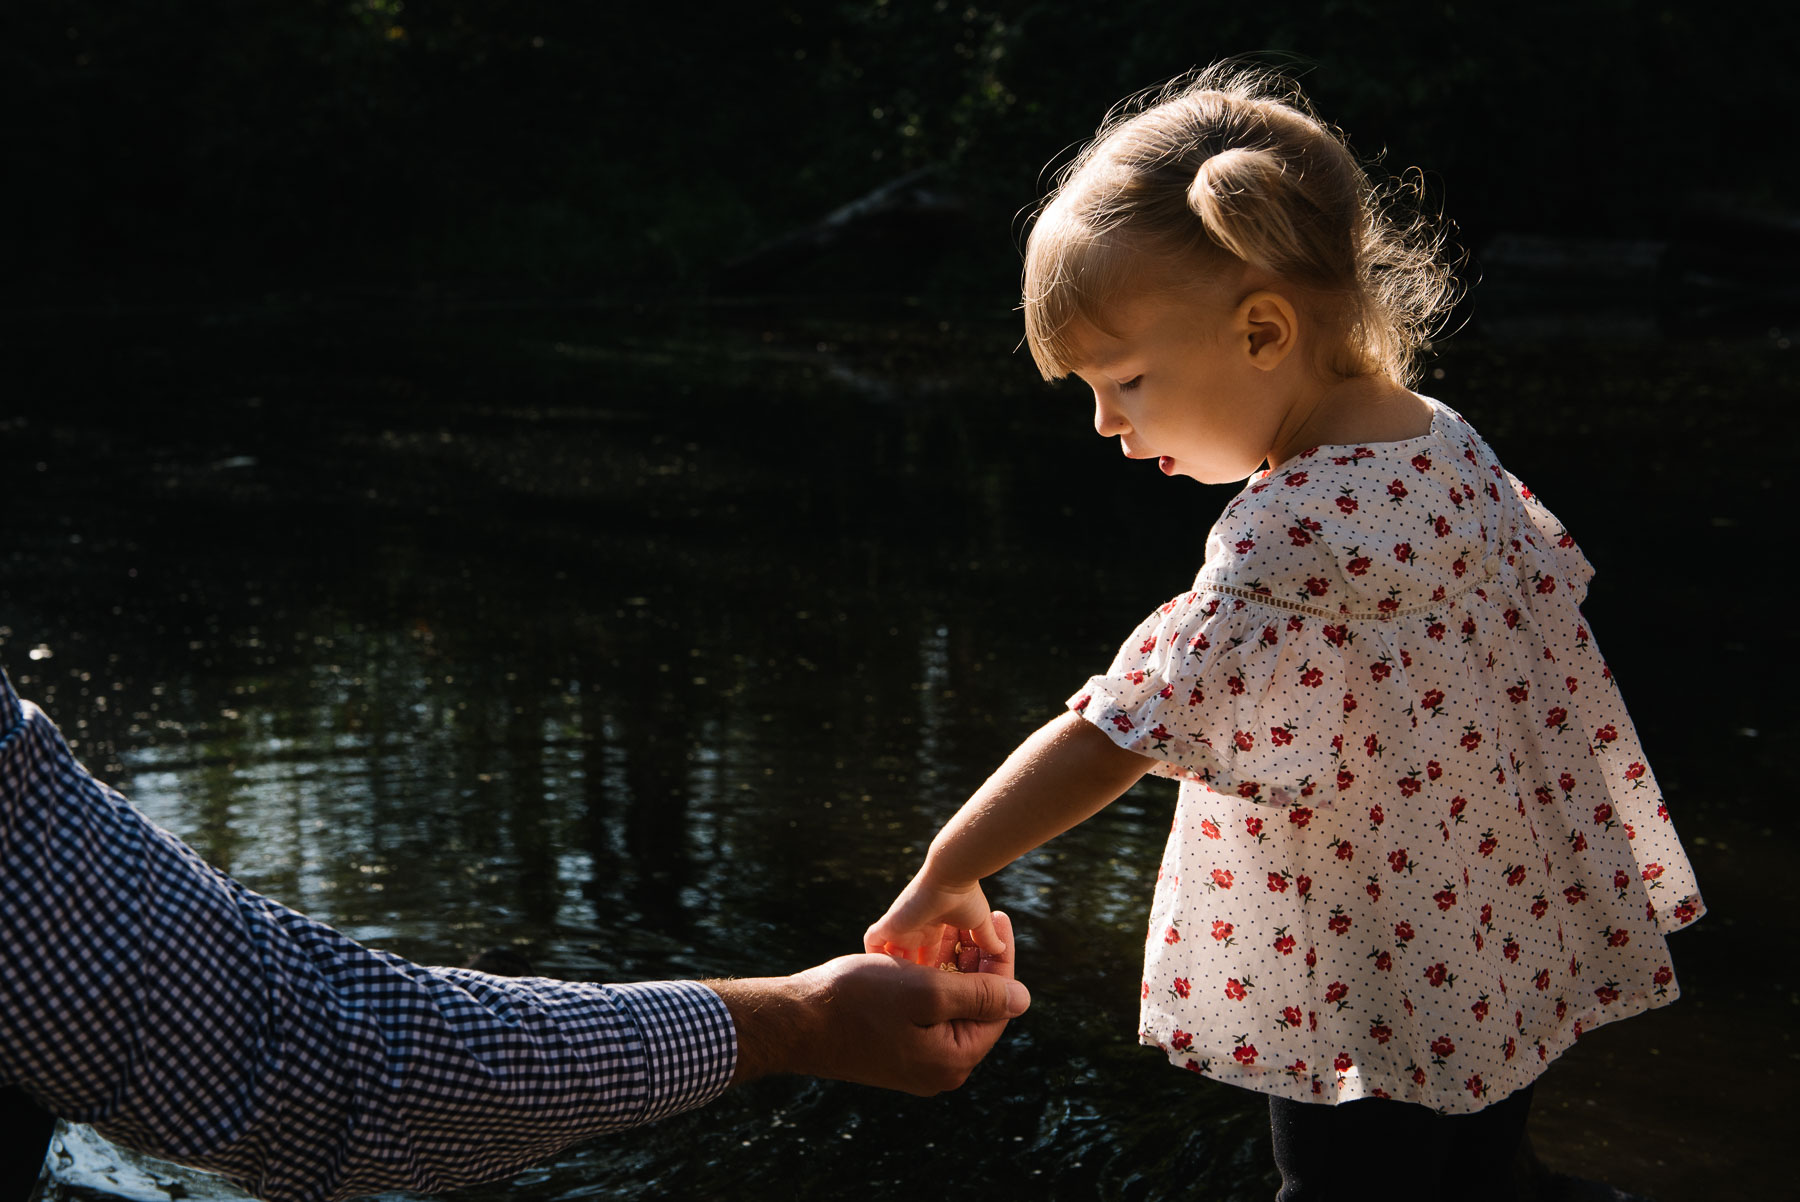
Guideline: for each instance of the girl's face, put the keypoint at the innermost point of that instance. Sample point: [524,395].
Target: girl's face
[1190,378]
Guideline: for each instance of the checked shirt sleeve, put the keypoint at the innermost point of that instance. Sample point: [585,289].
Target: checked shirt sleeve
[179,1013]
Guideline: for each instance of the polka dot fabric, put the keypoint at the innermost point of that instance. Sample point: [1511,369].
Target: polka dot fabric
[1418,849]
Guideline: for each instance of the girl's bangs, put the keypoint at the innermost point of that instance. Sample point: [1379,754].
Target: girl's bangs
[1072,276]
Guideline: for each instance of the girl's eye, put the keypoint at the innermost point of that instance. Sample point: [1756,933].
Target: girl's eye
[1131,384]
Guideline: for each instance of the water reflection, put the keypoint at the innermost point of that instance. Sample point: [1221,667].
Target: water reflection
[667,659]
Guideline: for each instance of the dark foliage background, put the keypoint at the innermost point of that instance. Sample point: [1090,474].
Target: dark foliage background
[168,147]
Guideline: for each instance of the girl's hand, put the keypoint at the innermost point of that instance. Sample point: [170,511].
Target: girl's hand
[914,927]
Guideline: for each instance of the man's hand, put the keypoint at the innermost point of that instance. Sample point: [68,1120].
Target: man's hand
[877,1020]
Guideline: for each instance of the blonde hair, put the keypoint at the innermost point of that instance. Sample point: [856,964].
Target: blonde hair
[1232,164]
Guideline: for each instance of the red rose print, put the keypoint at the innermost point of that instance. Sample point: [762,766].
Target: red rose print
[1380,670]
[1408,786]
[1457,806]
[1342,1062]
[1602,814]
[1515,875]
[1436,974]
[1122,721]
[1396,490]
[1339,923]
[1337,991]
[1542,980]
[1358,565]
[1285,945]
[1349,702]
[1221,929]
[1244,1054]
[1539,906]
[1181,987]
[1488,843]
[1510,1047]
[1335,635]
[1277,883]
[1574,893]
[1474,1085]
[1312,678]
[1445,898]
[1441,526]
[1253,824]
[1621,879]
[1435,631]
[1199,642]
[1375,815]
[1652,871]
[1397,859]
[1635,771]
[1347,503]
[1303,886]
[1234,989]
[1547,585]
[1459,567]
[1403,552]
[1512,619]
[1608,994]
[1373,888]
[1422,462]
[1518,692]
[1480,1009]
[1617,937]
[1291,1015]
[1245,545]
[1299,815]
[1403,931]
[1222,877]
[1384,961]
[1343,849]
[1280,737]
[1181,1041]
[1295,480]
[1171,936]
[1433,769]
[1209,828]
[1663,975]
[1471,738]
[1345,778]
[1442,1046]
[1235,684]
[1605,734]
[1244,739]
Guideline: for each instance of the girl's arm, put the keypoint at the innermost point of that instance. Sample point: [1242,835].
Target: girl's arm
[1062,775]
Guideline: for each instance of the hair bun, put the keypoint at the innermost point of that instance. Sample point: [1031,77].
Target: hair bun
[1232,195]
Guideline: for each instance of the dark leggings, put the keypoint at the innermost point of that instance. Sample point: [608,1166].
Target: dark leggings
[1374,1148]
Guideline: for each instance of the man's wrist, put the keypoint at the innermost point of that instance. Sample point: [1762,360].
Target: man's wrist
[776,1020]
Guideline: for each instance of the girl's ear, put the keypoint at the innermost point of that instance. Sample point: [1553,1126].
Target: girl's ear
[1268,325]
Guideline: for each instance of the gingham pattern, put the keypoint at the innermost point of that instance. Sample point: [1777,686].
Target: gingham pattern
[179,1013]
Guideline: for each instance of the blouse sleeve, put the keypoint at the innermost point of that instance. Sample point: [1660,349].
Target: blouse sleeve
[1220,690]
[1551,539]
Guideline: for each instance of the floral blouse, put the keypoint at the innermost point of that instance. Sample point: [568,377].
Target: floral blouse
[1417,849]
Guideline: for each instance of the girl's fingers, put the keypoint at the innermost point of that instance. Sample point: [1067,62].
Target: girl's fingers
[987,938]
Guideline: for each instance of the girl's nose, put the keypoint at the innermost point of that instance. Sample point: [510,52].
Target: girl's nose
[1108,421]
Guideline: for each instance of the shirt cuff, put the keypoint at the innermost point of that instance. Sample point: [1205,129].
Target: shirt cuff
[690,1043]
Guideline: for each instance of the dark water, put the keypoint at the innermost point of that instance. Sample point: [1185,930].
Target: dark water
[660,643]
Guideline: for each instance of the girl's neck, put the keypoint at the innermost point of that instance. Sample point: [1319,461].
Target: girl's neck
[1359,410]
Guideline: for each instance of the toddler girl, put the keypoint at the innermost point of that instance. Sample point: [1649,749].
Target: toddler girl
[1417,848]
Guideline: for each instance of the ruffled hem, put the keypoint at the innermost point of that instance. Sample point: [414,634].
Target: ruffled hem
[1335,1088]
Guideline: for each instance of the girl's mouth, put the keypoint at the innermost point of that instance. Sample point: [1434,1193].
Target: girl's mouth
[1167,464]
